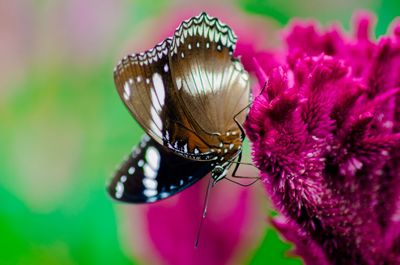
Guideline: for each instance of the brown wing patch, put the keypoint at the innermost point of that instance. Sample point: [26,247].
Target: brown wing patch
[211,85]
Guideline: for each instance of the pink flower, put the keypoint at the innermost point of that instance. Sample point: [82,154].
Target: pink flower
[223,228]
[17,35]
[229,231]
[325,135]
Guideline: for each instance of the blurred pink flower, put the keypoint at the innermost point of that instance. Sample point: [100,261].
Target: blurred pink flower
[326,137]
[17,22]
[86,30]
[229,230]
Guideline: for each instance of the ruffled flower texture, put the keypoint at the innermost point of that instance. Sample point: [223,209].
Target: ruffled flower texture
[325,135]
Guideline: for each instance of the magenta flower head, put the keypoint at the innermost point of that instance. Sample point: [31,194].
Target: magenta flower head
[325,136]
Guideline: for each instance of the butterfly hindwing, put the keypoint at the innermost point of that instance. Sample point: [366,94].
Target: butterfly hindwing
[152,173]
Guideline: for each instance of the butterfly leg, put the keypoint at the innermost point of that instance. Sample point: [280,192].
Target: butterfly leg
[237,163]
[237,114]
[241,184]
[238,124]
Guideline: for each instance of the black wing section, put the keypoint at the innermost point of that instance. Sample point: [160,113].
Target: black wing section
[152,173]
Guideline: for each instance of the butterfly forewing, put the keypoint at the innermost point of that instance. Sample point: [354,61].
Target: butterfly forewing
[152,173]
[211,84]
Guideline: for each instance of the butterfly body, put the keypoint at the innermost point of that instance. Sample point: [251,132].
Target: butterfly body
[185,93]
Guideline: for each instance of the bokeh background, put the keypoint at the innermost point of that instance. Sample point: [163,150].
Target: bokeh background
[63,128]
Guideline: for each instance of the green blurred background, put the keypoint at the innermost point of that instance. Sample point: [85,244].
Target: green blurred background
[63,128]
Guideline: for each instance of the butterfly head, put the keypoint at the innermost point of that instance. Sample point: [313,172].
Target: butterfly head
[218,172]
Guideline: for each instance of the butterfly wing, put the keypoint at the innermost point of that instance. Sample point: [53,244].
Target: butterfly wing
[143,81]
[145,85]
[186,90]
[212,85]
[152,173]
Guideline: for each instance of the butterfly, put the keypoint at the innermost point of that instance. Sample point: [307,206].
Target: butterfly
[188,93]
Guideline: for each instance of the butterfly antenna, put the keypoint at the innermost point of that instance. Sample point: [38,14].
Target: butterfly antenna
[237,114]
[210,185]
